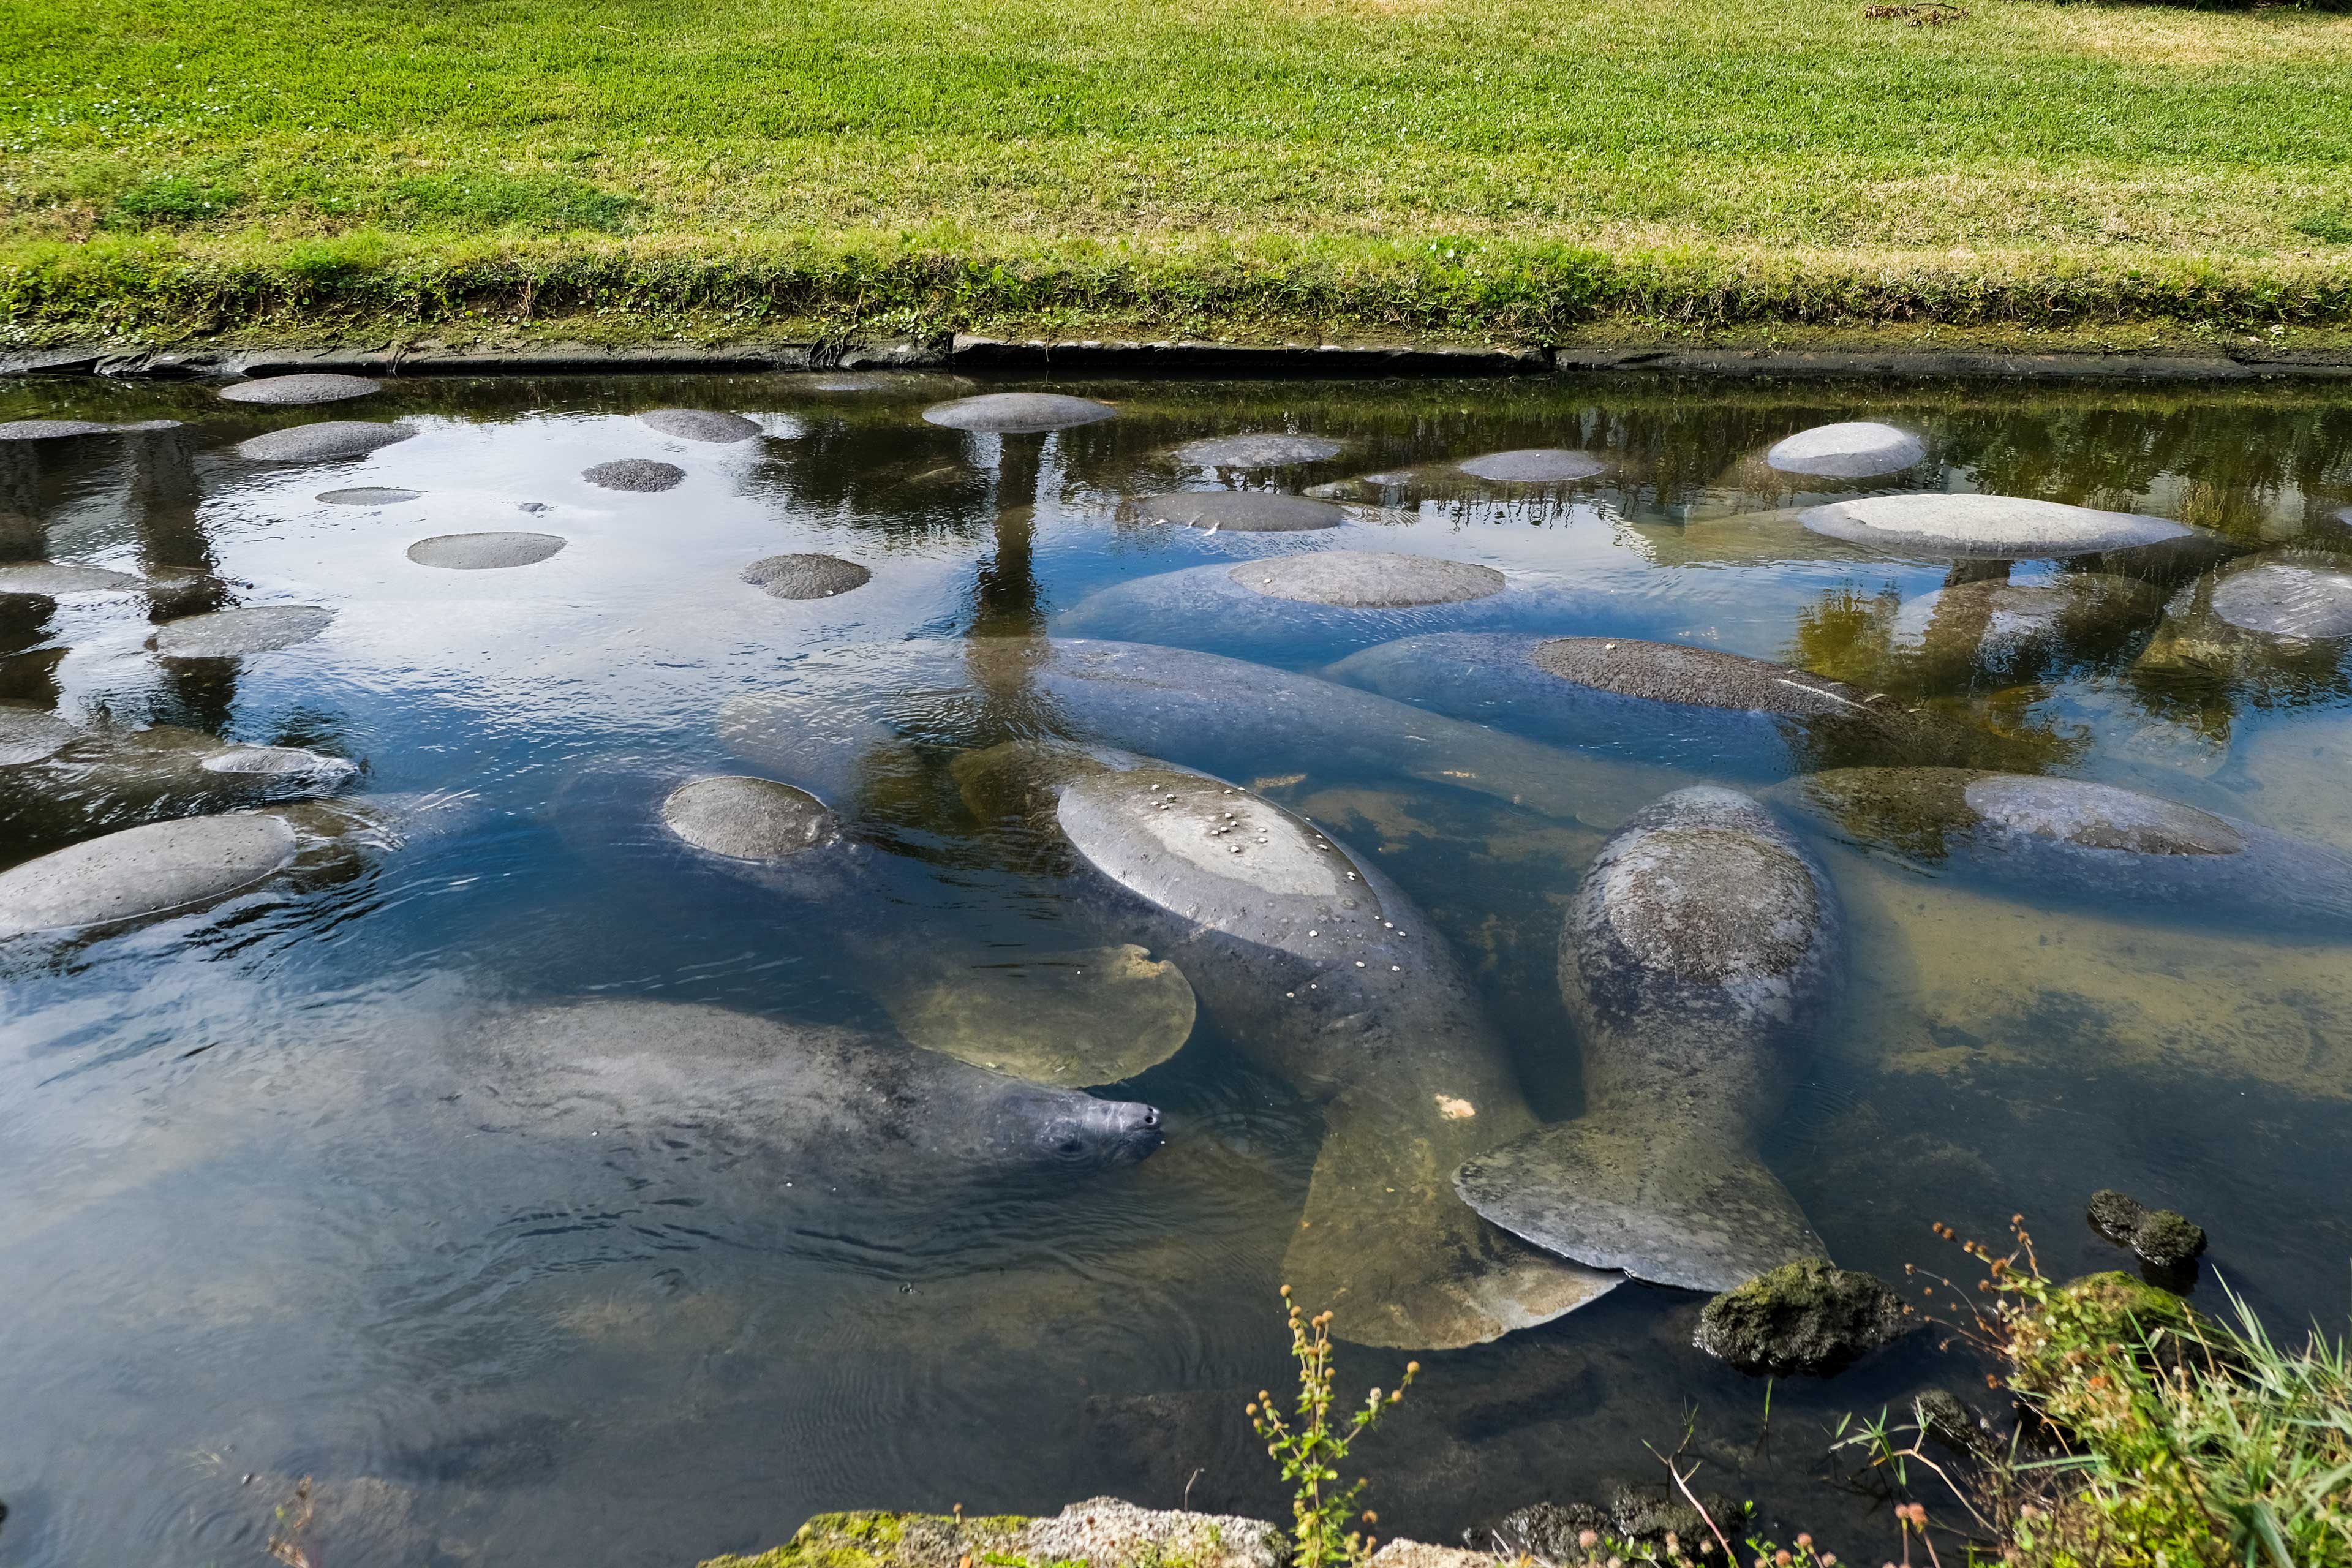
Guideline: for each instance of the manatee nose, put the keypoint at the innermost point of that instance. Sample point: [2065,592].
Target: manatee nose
[1150,1121]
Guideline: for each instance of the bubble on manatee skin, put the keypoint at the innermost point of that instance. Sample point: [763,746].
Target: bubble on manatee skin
[288,391]
[641,475]
[484,552]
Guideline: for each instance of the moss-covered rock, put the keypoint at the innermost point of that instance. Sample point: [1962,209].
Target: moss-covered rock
[1810,1316]
[2097,1319]
[1102,1533]
[2163,1238]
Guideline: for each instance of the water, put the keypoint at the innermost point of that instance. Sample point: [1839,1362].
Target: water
[261,1219]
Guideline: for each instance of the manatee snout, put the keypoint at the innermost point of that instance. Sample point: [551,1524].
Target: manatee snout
[1078,1132]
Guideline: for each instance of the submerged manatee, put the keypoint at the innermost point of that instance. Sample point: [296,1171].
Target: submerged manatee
[1702,942]
[1018,413]
[2276,626]
[1310,959]
[1691,707]
[1236,512]
[2130,853]
[1225,715]
[862,1112]
[1853,450]
[143,872]
[2011,633]
[85,781]
[1999,528]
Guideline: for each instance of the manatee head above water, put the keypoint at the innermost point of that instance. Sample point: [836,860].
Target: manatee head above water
[852,1108]
[1668,702]
[1309,959]
[1704,944]
[2135,854]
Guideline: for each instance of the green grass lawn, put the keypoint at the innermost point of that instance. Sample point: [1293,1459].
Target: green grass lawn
[1499,167]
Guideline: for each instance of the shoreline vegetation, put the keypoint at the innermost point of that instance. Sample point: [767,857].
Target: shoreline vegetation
[1500,172]
[2147,1433]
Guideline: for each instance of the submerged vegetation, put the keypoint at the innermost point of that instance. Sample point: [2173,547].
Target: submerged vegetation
[1499,169]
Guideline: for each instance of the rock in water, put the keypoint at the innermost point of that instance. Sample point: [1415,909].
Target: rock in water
[288,391]
[368,495]
[1018,413]
[2284,599]
[642,476]
[1689,706]
[140,872]
[748,818]
[805,576]
[1703,943]
[2164,1239]
[847,1108]
[29,734]
[2001,528]
[484,552]
[1310,959]
[2127,853]
[55,578]
[228,634]
[1532,466]
[317,443]
[701,424]
[1264,451]
[1809,1316]
[1238,511]
[1856,449]
[1072,1019]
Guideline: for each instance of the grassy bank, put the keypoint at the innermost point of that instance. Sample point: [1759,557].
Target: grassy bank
[1504,170]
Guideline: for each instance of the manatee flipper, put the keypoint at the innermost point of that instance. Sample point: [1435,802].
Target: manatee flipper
[1387,1246]
[1699,1213]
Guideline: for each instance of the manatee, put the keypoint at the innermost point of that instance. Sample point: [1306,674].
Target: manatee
[1856,449]
[2126,853]
[805,577]
[320,442]
[1270,450]
[1018,413]
[484,552]
[55,578]
[228,634]
[852,1111]
[1310,959]
[2276,626]
[1070,1018]
[748,818]
[1703,943]
[142,872]
[51,429]
[1532,466]
[1201,710]
[700,424]
[1691,707]
[2287,599]
[369,495]
[1238,511]
[642,476]
[30,734]
[88,781]
[288,391]
[2000,528]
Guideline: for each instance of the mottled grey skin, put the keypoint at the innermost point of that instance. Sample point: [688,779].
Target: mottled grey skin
[1854,449]
[1688,707]
[485,551]
[2129,853]
[1704,944]
[640,476]
[1018,413]
[805,576]
[701,424]
[746,818]
[1267,450]
[1311,960]
[319,443]
[1236,512]
[1532,466]
[58,578]
[1991,527]
[143,872]
[88,781]
[848,1109]
[231,633]
[1225,715]
[2278,625]
[291,391]
[369,495]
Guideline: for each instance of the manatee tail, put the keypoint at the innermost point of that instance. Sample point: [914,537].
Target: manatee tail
[1388,1246]
[1659,1204]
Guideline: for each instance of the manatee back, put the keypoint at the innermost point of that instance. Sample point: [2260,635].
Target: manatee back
[1701,942]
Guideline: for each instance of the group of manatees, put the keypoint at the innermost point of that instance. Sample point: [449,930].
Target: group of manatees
[1700,951]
